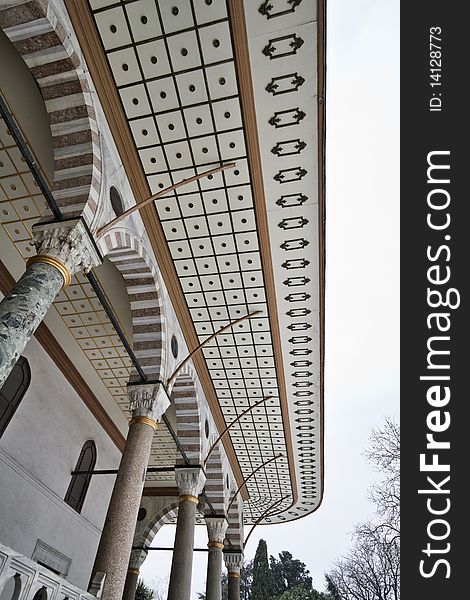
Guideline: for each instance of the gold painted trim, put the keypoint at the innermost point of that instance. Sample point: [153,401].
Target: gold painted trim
[53,262]
[233,574]
[145,421]
[133,571]
[218,545]
[188,498]
[44,336]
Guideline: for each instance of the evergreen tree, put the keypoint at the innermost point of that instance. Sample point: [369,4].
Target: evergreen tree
[246,580]
[285,578]
[299,592]
[331,588]
[263,584]
[289,573]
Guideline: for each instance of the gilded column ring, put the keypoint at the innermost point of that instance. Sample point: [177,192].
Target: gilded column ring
[188,498]
[53,262]
[215,545]
[144,420]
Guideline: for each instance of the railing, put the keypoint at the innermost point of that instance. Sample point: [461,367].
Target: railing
[23,579]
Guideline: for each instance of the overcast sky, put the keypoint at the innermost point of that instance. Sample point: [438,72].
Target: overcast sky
[362,287]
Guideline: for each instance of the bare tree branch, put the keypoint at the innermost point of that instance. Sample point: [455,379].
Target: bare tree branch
[371,570]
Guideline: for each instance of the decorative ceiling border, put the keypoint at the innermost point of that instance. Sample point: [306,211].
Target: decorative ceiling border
[243,68]
[321,124]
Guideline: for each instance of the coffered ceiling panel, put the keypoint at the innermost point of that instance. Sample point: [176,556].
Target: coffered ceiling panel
[248,238]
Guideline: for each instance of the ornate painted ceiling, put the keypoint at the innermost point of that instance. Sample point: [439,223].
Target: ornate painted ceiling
[202,83]
[248,238]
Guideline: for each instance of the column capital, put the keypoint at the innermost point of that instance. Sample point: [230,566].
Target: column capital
[216,528]
[66,245]
[190,480]
[233,560]
[137,558]
[147,401]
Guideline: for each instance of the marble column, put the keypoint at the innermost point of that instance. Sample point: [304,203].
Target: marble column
[63,249]
[216,528]
[135,562]
[148,402]
[190,481]
[234,563]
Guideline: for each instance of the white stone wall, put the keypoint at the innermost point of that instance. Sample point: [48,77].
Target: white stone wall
[38,451]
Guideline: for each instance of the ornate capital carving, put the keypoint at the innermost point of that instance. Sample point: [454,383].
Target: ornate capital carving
[148,400]
[216,528]
[137,558]
[67,242]
[233,561]
[190,480]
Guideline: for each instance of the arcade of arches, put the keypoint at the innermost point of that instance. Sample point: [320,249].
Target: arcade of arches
[159,364]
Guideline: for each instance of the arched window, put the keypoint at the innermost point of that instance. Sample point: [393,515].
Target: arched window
[41,594]
[13,390]
[78,487]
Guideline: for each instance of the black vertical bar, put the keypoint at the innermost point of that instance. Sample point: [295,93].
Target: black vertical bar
[29,158]
[115,323]
[43,186]
[185,457]
[434,298]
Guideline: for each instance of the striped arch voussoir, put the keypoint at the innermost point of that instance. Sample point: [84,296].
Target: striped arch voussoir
[164,516]
[41,40]
[139,274]
[235,523]
[188,418]
[215,483]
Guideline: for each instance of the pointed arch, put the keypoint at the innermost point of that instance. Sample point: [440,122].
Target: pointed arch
[216,483]
[167,514]
[13,391]
[39,37]
[188,417]
[143,288]
[235,534]
[79,484]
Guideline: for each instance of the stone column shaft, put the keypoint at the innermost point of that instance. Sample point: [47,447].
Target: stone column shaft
[190,482]
[214,574]
[233,586]
[132,577]
[179,587]
[22,311]
[62,249]
[130,585]
[216,528]
[148,403]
